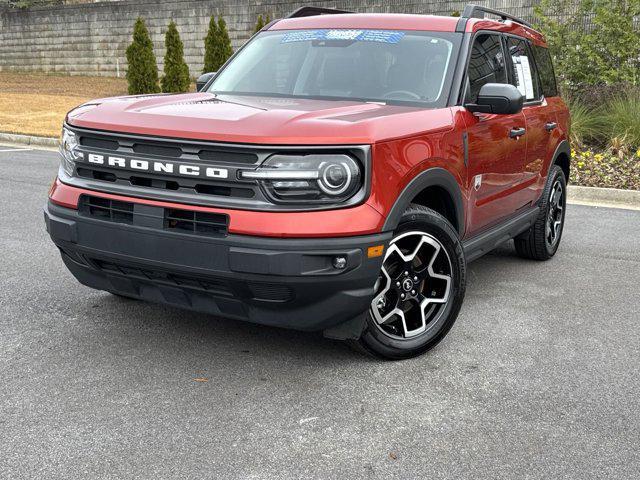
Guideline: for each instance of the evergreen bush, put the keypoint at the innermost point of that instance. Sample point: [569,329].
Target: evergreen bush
[259,24]
[217,45]
[225,42]
[210,47]
[176,72]
[142,71]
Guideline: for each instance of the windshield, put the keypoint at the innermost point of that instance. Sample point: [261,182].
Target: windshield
[387,66]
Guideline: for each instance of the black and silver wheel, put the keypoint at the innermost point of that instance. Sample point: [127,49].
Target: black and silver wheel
[541,241]
[420,288]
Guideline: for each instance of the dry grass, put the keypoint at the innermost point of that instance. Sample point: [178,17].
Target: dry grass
[35,104]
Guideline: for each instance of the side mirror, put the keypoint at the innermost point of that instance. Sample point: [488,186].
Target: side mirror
[203,80]
[499,98]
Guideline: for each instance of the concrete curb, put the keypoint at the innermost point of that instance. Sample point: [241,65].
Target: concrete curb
[28,140]
[604,197]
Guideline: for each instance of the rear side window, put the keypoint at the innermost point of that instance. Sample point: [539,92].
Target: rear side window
[524,74]
[545,69]
[486,65]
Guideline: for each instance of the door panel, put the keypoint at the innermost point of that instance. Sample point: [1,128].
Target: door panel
[494,168]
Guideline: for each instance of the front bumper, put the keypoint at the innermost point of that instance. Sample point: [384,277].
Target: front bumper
[274,281]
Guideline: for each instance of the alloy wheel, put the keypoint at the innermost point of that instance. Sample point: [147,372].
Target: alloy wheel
[414,286]
[555,215]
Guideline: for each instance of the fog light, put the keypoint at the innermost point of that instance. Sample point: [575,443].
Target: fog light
[339,262]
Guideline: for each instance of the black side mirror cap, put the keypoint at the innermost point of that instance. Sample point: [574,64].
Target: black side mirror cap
[497,98]
[203,80]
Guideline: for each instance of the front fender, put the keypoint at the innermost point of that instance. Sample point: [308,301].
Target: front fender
[433,177]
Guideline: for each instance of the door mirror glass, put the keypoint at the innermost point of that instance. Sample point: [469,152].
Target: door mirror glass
[497,98]
[203,80]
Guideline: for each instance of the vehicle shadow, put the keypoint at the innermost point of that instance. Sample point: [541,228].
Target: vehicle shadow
[170,329]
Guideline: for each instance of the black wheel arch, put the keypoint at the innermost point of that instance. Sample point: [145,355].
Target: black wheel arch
[562,158]
[433,177]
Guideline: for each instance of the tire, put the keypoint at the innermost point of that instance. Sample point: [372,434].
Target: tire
[431,275]
[541,241]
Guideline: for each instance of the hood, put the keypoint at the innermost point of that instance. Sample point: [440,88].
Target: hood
[259,120]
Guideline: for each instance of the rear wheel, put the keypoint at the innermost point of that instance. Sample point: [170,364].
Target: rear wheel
[420,288]
[541,241]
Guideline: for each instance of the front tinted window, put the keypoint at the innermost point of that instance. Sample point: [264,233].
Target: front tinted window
[545,69]
[372,65]
[486,65]
[524,74]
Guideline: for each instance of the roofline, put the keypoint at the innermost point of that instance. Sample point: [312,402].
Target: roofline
[468,21]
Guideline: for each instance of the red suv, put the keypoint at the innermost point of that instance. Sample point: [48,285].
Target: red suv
[336,174]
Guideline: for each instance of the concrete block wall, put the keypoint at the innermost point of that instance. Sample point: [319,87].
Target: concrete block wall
[91,38]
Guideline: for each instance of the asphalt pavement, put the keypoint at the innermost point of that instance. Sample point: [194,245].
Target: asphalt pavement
[537,379]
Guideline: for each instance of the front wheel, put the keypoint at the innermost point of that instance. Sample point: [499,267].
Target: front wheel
[420,288]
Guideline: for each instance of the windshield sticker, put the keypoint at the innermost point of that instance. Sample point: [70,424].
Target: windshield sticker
[303,36]
[381,36]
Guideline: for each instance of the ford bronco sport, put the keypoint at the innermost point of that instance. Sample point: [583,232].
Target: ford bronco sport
[336,174]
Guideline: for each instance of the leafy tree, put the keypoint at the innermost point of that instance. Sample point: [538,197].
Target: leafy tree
[176,72]
[210,47]
[142,73]
[605,53]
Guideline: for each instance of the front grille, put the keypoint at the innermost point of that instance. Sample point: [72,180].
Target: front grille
[169,219]
[170,182]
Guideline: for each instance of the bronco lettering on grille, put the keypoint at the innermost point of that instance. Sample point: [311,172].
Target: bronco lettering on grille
[156,166]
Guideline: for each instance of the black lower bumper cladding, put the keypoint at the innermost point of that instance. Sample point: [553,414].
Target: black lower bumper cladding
[290,283]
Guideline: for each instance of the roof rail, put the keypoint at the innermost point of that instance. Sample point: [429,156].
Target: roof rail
[477,11]
[313,11]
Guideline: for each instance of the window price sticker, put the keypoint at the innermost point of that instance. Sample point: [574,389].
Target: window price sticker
[523,75]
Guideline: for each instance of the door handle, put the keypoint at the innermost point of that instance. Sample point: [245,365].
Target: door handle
[550,126]
[517,132]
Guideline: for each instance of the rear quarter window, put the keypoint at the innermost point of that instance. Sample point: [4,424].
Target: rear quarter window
[545,70]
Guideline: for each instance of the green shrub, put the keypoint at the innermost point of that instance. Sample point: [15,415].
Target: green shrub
[621,117]
[176,72]
[586,124]
[142,71]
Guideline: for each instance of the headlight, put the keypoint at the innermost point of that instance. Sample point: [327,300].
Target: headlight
[68,150]
[308,178]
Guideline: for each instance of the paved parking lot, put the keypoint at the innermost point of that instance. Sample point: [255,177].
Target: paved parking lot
[537,379]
